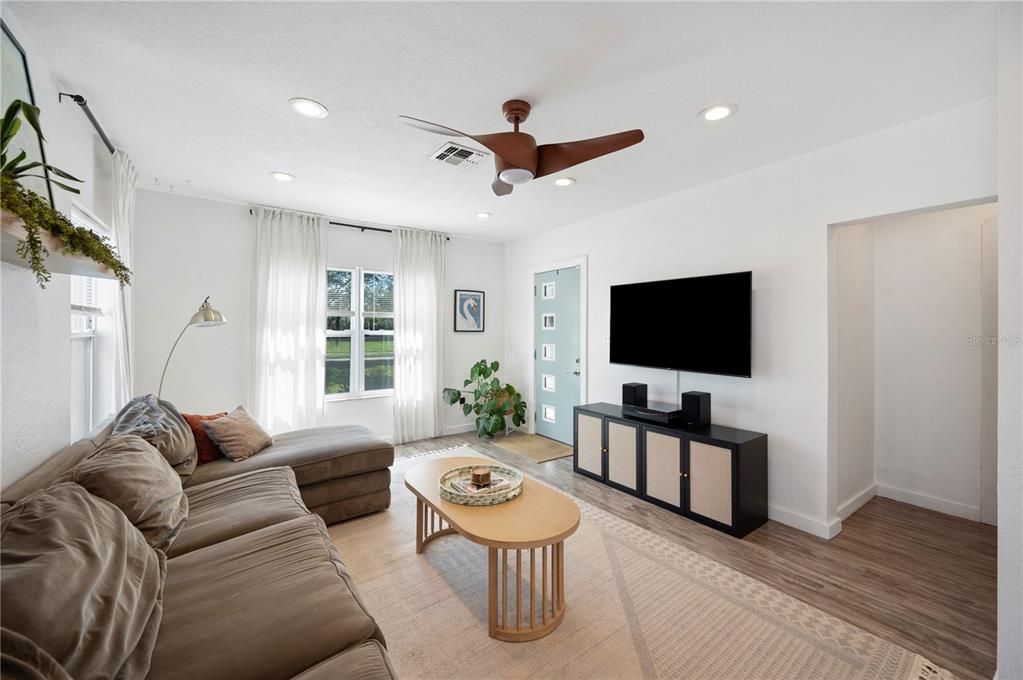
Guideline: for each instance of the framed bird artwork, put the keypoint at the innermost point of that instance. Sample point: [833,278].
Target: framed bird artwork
[469,311]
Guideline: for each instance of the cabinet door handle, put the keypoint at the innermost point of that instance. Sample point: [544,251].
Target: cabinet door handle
[683,474]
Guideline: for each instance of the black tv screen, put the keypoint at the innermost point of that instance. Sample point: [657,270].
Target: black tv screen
[700,324]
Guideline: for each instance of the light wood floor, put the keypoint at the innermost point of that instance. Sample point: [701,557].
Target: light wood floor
[921,579]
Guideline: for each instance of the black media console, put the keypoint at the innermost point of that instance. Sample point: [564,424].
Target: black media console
[713,474]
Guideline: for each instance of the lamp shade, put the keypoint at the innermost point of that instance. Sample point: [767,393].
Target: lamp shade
[207,316]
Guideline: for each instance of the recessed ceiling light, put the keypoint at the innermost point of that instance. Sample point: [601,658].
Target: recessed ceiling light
[565,181]
[282,176]
[718,112]
[308,107]
[483,215]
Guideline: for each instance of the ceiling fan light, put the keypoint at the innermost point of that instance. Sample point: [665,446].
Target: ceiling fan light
[515,175]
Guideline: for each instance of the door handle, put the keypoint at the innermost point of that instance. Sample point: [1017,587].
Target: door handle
[573,373]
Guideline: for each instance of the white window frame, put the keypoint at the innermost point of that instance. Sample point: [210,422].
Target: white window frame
[80,216]
[358,315]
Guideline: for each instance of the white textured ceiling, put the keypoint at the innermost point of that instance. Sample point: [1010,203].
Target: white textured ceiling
[198,92]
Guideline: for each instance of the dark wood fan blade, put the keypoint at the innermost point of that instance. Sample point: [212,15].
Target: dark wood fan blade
[500,187]
[553,158]
[517,149]
[431,127]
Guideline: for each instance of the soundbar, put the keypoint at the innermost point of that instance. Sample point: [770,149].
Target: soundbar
[654,412]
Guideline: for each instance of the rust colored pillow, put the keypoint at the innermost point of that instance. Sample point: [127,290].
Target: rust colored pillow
[207,448]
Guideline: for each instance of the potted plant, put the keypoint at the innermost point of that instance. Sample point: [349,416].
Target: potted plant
[492,402]
[37,217]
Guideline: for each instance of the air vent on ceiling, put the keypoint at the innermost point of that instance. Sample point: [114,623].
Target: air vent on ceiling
[458,155]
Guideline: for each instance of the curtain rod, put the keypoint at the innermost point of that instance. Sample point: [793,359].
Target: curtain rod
[360,227]
[80,100]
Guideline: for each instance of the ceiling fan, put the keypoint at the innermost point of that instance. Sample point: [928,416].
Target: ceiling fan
[518,157]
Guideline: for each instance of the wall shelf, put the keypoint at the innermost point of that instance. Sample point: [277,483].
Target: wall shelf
[12,230]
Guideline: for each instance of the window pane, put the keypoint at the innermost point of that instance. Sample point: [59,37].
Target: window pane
[339,323]
[378,292]
[339,348]
[339,291]
[376,323]
[379,361]
[338,376]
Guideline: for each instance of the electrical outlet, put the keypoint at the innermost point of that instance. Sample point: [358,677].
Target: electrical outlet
[606,340]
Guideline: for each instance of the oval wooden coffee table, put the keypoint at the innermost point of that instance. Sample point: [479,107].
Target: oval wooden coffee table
[534,526]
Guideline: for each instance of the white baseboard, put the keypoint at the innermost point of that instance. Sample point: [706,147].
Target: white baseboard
[856,502]
[930,502]
[814,527]
[459,429]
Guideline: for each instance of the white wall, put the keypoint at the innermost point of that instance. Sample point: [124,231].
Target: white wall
[930,309]
[473,265]
[773,221]
[854,355]
[1010,328]
[35,336]
[915,298]
[187,248]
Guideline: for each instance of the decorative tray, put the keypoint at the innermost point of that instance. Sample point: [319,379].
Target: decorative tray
[456,485]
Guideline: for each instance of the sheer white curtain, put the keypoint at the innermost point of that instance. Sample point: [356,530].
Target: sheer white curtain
[418,337]
[289,318]
[123,227]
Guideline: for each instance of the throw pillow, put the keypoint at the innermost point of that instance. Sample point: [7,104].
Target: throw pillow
[160,424]
[204,446]
[237,434]
[81,583]
[127,471]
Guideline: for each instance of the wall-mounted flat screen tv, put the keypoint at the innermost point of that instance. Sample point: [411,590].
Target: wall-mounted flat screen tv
[701,324]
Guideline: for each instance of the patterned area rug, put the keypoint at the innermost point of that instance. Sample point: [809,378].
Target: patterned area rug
[639,606]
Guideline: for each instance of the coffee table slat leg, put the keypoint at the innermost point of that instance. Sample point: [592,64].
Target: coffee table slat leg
[532,586]
[420,506]
[492,590]
[543,588]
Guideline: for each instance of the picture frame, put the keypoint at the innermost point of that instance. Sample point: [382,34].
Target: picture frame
[18,85]
[470,311]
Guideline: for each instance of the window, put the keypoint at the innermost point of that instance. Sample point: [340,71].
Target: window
[359,360]
[91,339]
[84,310]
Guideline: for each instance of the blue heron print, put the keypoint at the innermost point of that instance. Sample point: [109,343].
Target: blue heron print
[469,310]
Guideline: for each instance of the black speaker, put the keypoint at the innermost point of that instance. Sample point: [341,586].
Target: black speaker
[696,408]
[634,394]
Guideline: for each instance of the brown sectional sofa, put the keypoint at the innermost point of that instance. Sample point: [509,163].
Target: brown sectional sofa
[342,471]
[254,586]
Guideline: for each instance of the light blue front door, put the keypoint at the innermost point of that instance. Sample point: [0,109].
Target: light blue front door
[557,366]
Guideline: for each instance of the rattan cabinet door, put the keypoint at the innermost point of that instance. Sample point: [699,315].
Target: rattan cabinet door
[589,444]
[710,482]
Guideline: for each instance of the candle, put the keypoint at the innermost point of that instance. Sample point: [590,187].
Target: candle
[481,476]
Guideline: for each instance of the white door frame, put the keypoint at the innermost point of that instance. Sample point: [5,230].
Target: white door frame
[537,268]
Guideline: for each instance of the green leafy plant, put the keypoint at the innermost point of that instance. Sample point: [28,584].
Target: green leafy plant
[491,401]
[36,213]
[15,168]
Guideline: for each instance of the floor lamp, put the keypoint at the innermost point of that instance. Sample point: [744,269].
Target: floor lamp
[206,316]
